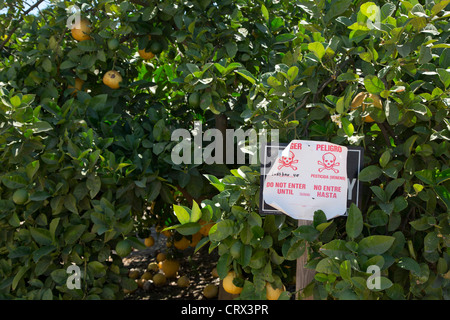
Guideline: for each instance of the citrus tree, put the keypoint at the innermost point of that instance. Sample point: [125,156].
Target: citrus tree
[86,115]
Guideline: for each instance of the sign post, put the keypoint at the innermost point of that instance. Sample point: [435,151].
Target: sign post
[307,177]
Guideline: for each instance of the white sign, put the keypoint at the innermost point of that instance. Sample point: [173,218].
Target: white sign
[308,176]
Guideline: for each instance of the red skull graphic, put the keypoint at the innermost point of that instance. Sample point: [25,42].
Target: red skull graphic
[329,162]
[287,161]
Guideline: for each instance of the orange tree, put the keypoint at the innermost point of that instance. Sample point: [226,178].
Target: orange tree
[86,165]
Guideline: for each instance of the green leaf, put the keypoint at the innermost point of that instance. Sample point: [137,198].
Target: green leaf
[409,264]
[19,276]
[221,230]
[265,12]
[187,229]
[408,145]
[205,100]
[373,84]
[443,194]
[67,65]
[182,213]
[14,181]
[347,126]
[41,236]
[246,75]
[293,249]
[369,173]
[317,48]
[345,270]
[32,168]
[93,183]
[70,203]
[337,8]
[438,7]
[375,245]
[335,249]
[354,224]
[15,101]
[231,48]
[444,75]
[292,73]
[308,233]
[97,268]
[73,233]
[196,212]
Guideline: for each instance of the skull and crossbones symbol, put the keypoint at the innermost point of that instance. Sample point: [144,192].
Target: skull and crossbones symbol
[329,162]
[287,161]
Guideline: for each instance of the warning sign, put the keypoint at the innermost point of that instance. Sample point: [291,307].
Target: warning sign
[302,177]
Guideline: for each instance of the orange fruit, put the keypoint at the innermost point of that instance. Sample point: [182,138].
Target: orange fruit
[170,268]
[214,273]
[273,294]
[147,276]
[160,257]
[204,230]
[358,100]
[210,291]
[153,267]
[133,274]
[182,244]
[149,241]
[146,55]
[112,79]
[183,282]
[81,32]
[228,284]
[159,279]
[140,282]
[195,239]
[78,85]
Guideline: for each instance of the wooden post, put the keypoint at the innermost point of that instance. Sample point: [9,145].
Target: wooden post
[303,276]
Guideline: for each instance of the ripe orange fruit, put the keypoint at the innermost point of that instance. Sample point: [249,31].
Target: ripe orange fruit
[228,284]
[112,79]
[159,279]
[153,267]
[146,55]
[195,239]
[147,276]
[140,282]
[133,274]
[182,244]
[78,85]
[273,294]
[81,32]
[160,257]
[210,291]
[358,100]
[204,230]
[183,282]
[149,241]
[170,268]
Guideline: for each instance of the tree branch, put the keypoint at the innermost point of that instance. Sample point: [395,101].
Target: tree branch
[10,33]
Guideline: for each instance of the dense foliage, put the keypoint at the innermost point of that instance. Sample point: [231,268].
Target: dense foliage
[96,163]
